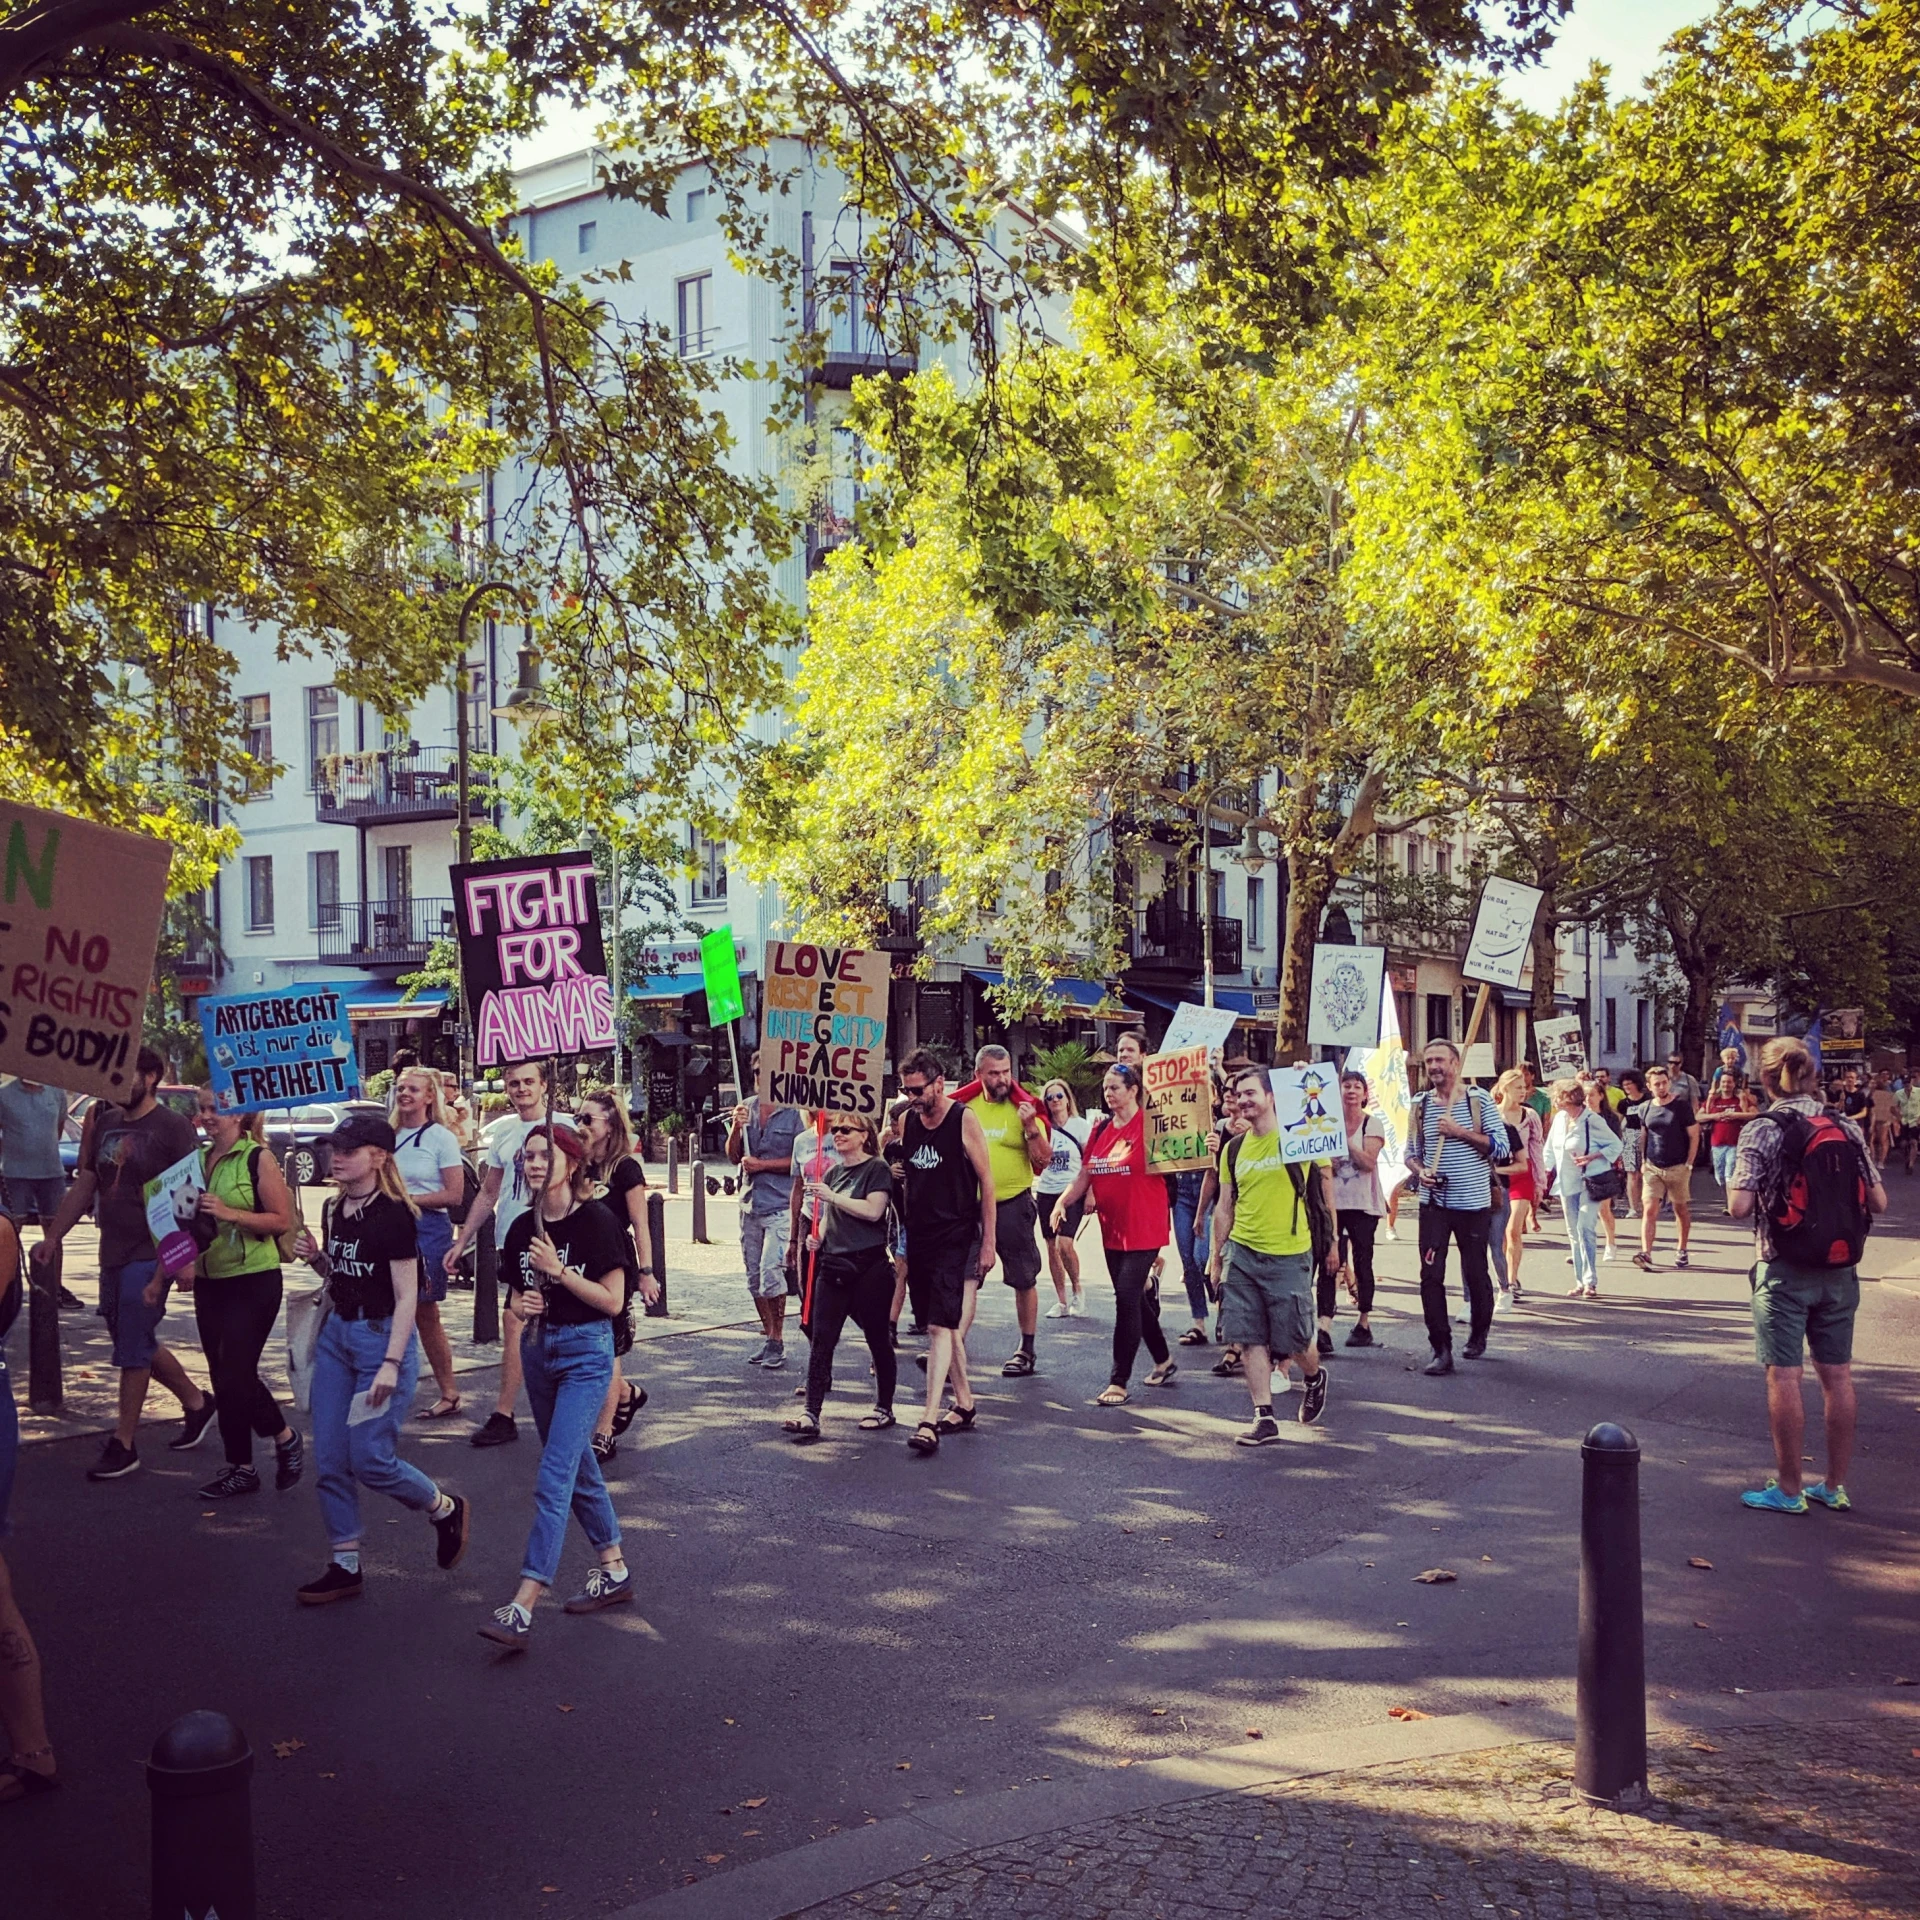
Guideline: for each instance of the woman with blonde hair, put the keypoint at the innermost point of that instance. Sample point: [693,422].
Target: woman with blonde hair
[1527,1183]
[1068,1131]
[366,1360]
[427,1156]
[1577,1139]
[620,1181]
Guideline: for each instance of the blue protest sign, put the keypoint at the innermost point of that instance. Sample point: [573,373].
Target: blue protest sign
[277,1049]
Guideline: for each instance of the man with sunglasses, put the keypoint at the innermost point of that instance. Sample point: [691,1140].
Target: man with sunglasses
[950,1234]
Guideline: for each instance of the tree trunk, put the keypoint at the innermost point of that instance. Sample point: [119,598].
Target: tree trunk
[1703,963]
[1310,880]
[1546,958]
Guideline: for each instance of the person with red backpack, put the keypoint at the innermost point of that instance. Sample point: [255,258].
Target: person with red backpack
[1803,1176]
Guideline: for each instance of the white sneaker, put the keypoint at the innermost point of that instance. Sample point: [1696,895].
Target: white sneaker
[1390,1235]
[1059,1311]
[1502,1301]
[1283,1383]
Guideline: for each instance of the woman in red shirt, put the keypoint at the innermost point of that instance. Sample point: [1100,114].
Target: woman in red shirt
[1135,1221]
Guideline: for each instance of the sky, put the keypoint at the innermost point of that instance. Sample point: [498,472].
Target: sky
[1626,34]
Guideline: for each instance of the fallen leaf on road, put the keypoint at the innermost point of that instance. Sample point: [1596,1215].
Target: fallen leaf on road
[983,1716]
[1701,1623]
[729,1723]
[713,1859]
[1366,1563]
[286,1749]
[753,1833]
[1487,1557]
[903,1766]
[1123,1763]
[1407,1713]
[1705,1566]
[1403,1623]
[1700,1746]
[1159,1713]
[566,1709]
[751,1804]
[1254,1733]
[329,1776]
[208,1515]
[1907,1683]
[549,1889]
[1435,1577]
[1126,1529]
[1219,1536]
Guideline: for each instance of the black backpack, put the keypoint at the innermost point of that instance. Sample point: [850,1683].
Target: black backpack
[1817,1213]
[1321,1228]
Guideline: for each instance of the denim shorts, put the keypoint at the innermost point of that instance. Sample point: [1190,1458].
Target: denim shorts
[135,1326]
[435,1233]
[34,1199]
[1804,1308]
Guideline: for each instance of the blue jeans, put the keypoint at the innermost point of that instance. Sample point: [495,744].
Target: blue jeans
[1189,1236]
[1723,1159]
[1583,1224]
[345,1359]
[9,1444]
[569,1370]
[134,1325]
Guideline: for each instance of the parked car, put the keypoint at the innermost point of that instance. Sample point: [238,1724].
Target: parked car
[297,1134]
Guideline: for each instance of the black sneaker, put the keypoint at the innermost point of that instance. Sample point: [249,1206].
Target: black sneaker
[508,1627]
[234,1481]
[1263,1433]
[1362,1337]
[115,1462]
[606,1449]
[1442,1362]
[1324,1341]
[289,1463]
[194,1430]
[498,1431]
[70,1302]
[451,1542]
[1313,1399]
[335,1584]
[602,1590]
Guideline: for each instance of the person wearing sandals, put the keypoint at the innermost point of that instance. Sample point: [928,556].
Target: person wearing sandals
[1135,1222]
[428,1156]
[366,1360]
[566,1276]
[28,1768]
[236,1297]
[621,1183]
[852,1275]
[1357,1207]
[1068,1131]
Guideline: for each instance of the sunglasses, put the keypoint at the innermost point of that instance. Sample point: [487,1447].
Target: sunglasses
[912,1093]
[836,1131]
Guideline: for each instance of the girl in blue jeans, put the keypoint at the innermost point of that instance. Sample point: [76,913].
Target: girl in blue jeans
[565,1267]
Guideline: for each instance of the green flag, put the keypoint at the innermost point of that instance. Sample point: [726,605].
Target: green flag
[721,972]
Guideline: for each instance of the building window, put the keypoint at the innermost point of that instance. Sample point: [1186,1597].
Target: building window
[1443,862]
[396,869]
[696,205]
[1613,1026]
[323,731]
[695,297]
[260,893]
[1256,913]
[256,715]
[589,229]
[1613,947]
[1642,1039]
[1439,1016]
[709,870]
[323,891]
[1413,857]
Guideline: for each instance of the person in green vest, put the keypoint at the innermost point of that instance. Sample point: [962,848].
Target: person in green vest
[1019,1147]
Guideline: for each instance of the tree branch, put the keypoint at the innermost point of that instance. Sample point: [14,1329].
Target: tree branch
[31,40]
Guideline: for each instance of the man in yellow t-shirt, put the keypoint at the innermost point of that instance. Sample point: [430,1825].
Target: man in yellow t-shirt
[1018,1147]
[1263,1235]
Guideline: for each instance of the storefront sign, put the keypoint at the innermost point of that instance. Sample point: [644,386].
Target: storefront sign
[823,1021]
[278,1049]
[531,957]
[1179,1094]
[80,909]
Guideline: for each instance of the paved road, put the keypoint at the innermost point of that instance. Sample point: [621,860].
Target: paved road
[845,1633]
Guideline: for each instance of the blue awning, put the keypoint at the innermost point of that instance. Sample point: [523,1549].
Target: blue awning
[667,986]
[1237,1000]
[1079,993]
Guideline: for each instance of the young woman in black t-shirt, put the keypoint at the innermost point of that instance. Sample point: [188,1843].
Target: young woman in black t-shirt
[368,1352]
[621,1183]
[565,1267]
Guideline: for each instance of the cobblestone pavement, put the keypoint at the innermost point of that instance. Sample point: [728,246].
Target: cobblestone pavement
[1745,1822]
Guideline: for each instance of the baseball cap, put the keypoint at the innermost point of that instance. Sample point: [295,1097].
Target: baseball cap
[361,1130]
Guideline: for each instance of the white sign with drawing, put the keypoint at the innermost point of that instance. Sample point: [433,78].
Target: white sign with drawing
[1307,1100]
[1195,1026]
[1343,1001]
[1501,930]
[1561,1047]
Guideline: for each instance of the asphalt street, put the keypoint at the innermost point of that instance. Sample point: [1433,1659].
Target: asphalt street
[830,1636]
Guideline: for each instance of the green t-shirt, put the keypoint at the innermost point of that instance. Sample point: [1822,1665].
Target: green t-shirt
[1269,1211]
[1541,1101]
[1006,1146]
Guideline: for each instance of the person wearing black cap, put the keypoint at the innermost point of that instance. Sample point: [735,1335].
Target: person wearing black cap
[564,1263]
[367,1358]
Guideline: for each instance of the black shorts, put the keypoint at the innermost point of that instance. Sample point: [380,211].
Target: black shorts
[939,1271]
[1013,1237]
[1069,1221]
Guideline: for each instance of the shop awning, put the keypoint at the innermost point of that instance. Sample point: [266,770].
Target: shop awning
[385,1001]
[1237,1000]
[667,986]
[1078,993]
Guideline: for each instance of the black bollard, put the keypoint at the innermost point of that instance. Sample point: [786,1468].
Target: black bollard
[700,1203]
[1610,1730]
[197,1776]
[657,1240]
[45,1390]
[486,1286]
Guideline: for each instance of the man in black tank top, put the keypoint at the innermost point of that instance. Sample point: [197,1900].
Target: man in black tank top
[949,1215]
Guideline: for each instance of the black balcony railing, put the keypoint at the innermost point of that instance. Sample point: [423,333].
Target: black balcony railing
[383,933]
[394,784]
[1167,937]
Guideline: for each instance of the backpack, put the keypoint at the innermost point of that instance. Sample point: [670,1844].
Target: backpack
[206,1230]
[1817,1213]
[1321,1228]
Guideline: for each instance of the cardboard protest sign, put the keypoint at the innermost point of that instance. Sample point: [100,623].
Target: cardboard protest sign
[173,1198]
[277,1049]
[1502,932]
[1561,1046]
[532,961]
[1179,1095]
[1476,1063]
[1343,1001]
[1307,1100]
[823,1041]
[1196,1026]
[80,909]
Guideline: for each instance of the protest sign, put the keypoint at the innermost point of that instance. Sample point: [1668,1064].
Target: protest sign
[1502,932]
[278,1049]
[1845,1032]
[1179,1095]
[1307,1100]
[1194,1026]
[173,1198]
[80,914]
[1476,1063]
[1343,1000]
[720,975]
[823,1020]
[532,961]
[1385,1067]
[1561,1047]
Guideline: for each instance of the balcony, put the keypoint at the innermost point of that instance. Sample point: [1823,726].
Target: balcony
[1165,937]
[194,971]
[392,786]
[383,933]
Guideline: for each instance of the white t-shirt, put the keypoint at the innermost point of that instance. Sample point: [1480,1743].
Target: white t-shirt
[423,1155]
[1069,1138]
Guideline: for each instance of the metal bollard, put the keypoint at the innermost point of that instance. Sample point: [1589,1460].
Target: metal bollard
[673,1165]
[700,1203]
[1610,1729]
[657,1239]
[486,1286]
[45,1391]
[197,1777]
